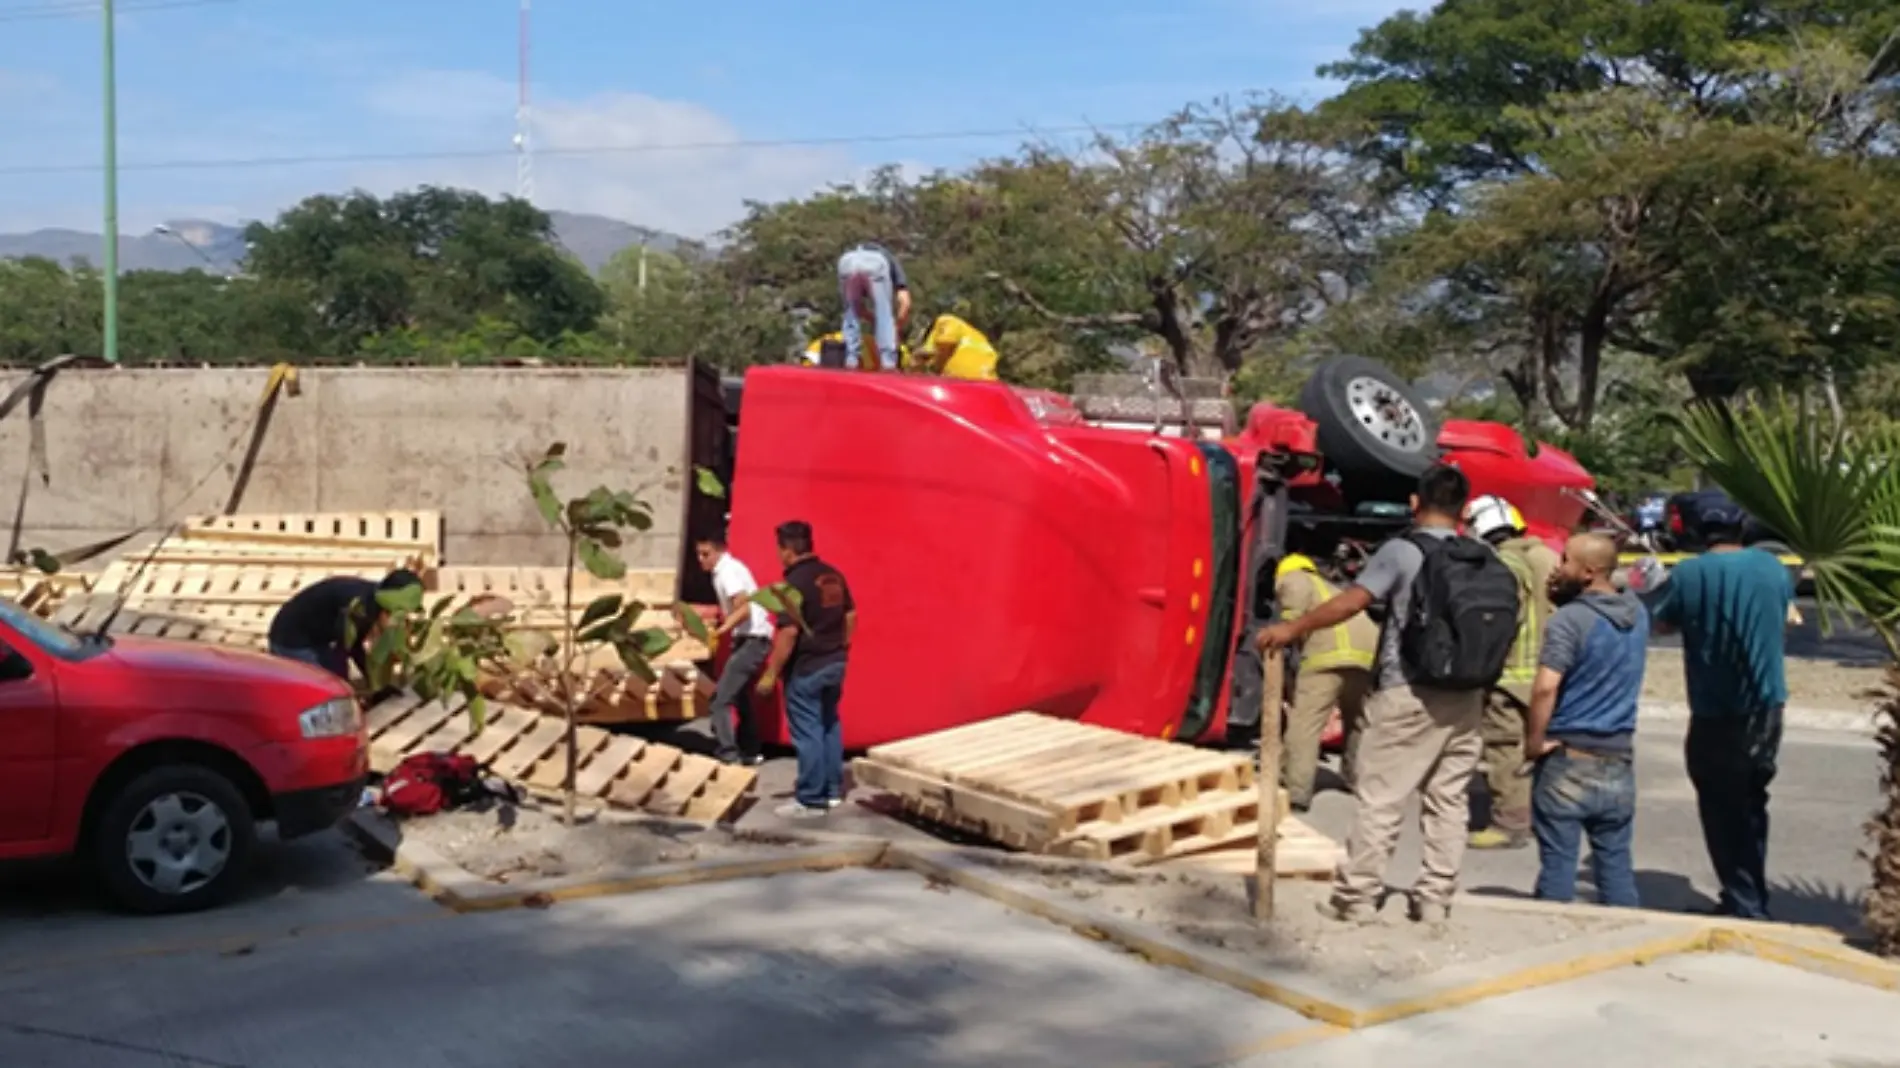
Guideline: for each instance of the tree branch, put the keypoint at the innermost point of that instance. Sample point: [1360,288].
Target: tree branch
[1098,321]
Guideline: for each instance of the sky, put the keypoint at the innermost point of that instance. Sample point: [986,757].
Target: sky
[232,110]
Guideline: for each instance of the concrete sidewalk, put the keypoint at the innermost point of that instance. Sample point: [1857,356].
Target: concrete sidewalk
[857,967]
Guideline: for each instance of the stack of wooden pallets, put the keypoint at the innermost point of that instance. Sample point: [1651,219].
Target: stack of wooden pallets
[1048,785]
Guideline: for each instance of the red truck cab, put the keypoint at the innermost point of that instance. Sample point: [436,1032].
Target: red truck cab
[1005,555]
[155,760]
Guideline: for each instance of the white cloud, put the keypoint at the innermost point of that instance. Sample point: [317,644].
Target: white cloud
[655,162]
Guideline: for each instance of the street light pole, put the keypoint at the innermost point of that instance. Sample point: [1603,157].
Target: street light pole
[111,278]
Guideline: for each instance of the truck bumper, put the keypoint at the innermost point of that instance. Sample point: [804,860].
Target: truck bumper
[302,812]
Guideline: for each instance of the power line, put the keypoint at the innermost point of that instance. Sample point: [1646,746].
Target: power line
[31,12]
[250,162]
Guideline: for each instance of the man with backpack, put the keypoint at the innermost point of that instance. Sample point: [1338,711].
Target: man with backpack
[1450,621]
[1495,521]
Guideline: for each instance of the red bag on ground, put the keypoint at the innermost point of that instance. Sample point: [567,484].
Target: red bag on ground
[426,783]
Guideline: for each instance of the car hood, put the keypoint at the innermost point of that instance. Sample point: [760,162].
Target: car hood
[213,663]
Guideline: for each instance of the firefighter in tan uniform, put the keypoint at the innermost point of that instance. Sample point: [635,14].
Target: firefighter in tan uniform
[1494,520]
[1335,669]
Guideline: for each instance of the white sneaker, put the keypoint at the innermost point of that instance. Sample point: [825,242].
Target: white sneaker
[796,811]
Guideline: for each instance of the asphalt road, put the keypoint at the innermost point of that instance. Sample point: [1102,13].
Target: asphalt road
[1827,787]
[1848,640]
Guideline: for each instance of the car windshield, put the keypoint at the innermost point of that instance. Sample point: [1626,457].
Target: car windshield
[49,636]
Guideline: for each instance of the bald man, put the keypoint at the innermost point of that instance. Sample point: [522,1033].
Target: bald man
[1581,730]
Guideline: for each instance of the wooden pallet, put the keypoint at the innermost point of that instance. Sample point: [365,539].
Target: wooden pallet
[216,552]
[85,613]
[540,587]
[423,526]
[1050,785]
[39,592]
[523,746]
[1303,853]
[614,696]
[233,584]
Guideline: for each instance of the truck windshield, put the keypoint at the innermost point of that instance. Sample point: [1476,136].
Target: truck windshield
[48,636]
[1223,482]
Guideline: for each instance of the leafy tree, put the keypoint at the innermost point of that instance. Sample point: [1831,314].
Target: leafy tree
[436,260]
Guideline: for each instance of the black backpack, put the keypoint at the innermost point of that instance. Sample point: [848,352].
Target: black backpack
[1461,621]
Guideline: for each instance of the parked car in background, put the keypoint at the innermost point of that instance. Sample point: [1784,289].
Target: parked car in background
[155,761]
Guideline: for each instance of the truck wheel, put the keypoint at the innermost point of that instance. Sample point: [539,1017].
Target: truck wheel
[1370,422]
[175,839]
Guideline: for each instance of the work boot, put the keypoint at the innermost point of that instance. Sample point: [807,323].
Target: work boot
[1341,912]
[1430,912]
[1495,837]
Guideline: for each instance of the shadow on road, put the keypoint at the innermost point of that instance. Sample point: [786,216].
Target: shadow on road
[1804,901]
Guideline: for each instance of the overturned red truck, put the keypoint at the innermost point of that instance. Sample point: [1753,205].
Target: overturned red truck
[1007,555]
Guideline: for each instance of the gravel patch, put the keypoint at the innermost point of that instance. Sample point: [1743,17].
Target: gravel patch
[505,843]
[1214,911]
[1811,683]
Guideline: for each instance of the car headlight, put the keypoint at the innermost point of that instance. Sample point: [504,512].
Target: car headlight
[332,719]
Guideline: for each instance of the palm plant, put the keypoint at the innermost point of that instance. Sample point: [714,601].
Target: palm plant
[1834,499]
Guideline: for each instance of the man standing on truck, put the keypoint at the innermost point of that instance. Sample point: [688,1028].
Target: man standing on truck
[331,622]
[873,286]
[1335,670]
[1731,605]
[1494,520]
[1450,619]
[750,628]
[1582,726]
[810,647]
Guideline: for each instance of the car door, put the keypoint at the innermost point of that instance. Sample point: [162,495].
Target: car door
[29,715]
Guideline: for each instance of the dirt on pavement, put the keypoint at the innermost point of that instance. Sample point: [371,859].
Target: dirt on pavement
[1827,684]
[507,843]
[1215,911]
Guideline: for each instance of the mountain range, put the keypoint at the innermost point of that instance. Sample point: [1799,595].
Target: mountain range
[182,244]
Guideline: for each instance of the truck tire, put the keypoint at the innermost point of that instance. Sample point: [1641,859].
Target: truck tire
[1371,423]
[177,838]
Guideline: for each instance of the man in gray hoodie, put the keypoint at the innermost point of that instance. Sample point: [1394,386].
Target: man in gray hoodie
[1582,726]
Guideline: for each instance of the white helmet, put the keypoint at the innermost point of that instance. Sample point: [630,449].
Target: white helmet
[1491,514]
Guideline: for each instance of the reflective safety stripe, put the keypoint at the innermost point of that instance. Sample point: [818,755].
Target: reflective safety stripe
[1522,667]
[1342,654]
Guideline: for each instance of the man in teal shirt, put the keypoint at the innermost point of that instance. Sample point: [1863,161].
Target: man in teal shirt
[1731,605]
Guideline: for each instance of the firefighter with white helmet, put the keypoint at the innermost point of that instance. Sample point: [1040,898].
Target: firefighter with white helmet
[1494,520]
[1334,670]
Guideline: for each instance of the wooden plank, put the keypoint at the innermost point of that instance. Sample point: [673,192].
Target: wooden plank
[503,728]
[389,710]
[529,748]
[729,784]
[607,765]
[677,789]
[643,774]
[972,809]
[403,734]
[551,773]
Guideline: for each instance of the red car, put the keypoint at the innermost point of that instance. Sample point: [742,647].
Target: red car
[154,761]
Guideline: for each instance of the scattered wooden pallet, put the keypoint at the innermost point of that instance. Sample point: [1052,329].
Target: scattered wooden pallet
[524,746]
[540,587]
[1303,853]
[234,583]
[422,526]
[1050,785]
[39,592]
[615,696]
[86,613]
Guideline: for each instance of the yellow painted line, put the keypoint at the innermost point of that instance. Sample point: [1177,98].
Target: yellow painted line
[1836,961]
[1786,559]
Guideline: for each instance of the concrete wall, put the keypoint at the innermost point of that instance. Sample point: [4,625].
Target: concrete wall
[129,447]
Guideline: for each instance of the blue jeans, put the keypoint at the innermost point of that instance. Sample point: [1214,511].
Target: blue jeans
[334,661]
[811,710]
[873,272]
[1731,761]
[1574,796]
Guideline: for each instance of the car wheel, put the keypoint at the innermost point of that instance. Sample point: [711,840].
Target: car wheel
[175,839]
[1370,422]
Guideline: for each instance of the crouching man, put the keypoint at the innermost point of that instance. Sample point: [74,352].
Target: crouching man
[1582,726]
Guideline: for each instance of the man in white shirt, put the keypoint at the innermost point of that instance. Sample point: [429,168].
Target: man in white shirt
[750,629]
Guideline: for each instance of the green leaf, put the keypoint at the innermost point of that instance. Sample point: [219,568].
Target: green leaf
[401,599]
[695,624]
[652,641]
[601,608]
[42,561]
[640,519]
[768,598]
[605,631]
[442,605]
[599,562]
[545,499]
[385,656]
[635,663]
[708,482]
[477,713]
[465,668]
[607,536]
[524,647]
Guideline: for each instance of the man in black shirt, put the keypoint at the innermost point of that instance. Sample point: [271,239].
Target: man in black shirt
[315,625]
[809,647]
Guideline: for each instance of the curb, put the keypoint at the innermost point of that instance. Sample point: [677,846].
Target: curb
[456,889]
[1310,997]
